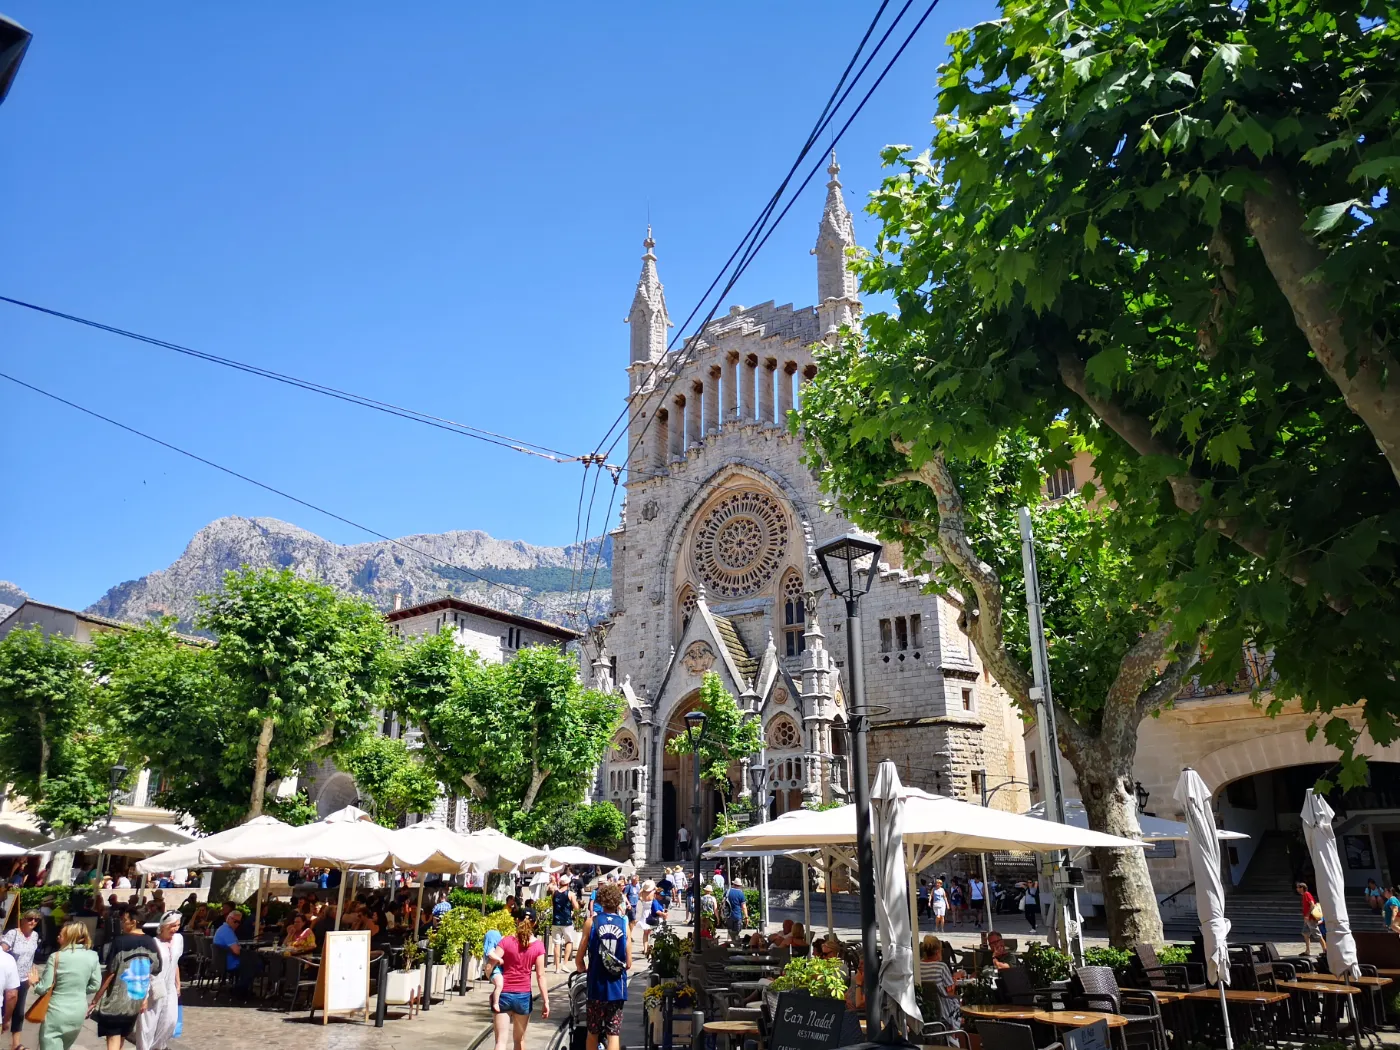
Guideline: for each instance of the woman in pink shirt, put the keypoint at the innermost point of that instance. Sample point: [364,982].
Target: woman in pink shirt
[519,957]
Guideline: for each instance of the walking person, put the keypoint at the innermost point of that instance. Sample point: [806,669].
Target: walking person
[974,889]
[736,910]
[683,842]
[561,931]
[607,960]
[938,899]
[21,943]
[156,1026]
[1312,920]
[133,961]
[955,901]
[520,957]
[1030,903]
[74,972]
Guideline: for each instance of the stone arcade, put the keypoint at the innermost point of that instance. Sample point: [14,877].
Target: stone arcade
[713,570]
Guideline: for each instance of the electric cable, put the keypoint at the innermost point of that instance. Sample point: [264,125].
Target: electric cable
[450,425]
[270,488]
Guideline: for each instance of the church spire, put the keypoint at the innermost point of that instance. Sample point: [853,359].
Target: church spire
[648,316]
[837,298]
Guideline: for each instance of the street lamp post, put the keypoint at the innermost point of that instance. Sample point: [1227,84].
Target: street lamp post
[694,734]
[843,560]
[986,799]
[114,780]
[758,780]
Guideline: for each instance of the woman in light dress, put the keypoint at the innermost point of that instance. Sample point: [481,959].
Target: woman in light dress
[74,972]
[156,1026]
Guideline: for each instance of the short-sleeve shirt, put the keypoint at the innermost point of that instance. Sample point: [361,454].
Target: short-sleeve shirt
[226,937]
[737,900]
[488,945]
[22,948]
[517,963]
[9,974]
[1308,901]
[1388,910]
[442,907]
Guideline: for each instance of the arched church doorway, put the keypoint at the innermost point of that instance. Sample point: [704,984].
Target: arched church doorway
[669,824]
[678,787]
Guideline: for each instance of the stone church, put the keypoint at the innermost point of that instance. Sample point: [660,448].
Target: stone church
[714,570]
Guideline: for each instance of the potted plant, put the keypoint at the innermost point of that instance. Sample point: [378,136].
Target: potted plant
[448,940]
[683,998]
[406,985]
[665,952]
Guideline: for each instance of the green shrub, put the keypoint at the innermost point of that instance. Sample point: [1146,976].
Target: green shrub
[33,896]
[1046,964]
[665,952]
[1118,958]
[451,935]
[755,902]
[1173,954]
[460,898]
[823,978]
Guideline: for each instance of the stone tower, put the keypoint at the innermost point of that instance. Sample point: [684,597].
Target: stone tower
[837,300]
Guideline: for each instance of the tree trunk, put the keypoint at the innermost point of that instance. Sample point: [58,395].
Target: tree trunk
[1130,902]
[43,751]
[255,806]
[1372,390]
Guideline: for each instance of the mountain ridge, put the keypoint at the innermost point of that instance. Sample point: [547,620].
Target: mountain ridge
[530,580]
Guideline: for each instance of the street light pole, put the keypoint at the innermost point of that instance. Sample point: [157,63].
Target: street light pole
[695,733]
[758,777]
[843,560]
[986,800]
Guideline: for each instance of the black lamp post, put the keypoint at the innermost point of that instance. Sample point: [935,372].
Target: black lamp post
[114,780]
[1142,796]
[694,734]
[844,560]
[758,781]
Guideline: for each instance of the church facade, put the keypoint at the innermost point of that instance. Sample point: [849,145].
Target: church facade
[714,570]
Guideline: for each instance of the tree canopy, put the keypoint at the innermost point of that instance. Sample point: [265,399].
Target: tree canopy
[522,736]
[1159,233]
[395,779]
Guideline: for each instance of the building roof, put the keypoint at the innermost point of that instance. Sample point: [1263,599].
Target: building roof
[93,618]
[748,666]
[451,603]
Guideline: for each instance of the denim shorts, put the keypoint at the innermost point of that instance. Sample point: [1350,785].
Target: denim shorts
[516,1003]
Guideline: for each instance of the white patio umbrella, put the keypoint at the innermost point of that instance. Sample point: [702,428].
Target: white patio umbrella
[194,854]
[1331,889]
[1204,849]
[146,841]
[1154,829]
[9,849]
[93,839]
[551,859]
[892,896]
[505,853]
[346,839]
[431,846]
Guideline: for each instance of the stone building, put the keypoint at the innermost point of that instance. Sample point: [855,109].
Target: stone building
[714,570]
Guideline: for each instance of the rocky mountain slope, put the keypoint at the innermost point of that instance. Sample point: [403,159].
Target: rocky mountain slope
[530,580]
[11,597]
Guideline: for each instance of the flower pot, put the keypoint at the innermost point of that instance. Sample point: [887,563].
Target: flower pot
[680,1027]
[403,986]
[474,968]
[439,985]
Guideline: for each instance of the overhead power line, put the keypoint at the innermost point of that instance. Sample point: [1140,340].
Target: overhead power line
[529,448]
[274,490]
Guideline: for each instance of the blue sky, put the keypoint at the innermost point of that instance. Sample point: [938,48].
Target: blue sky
[435,204]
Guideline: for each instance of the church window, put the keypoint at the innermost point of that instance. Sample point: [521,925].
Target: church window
[901,633]
[916,631]
[739,543]
[783,734]
[624,748]
[886,636]
[794,615]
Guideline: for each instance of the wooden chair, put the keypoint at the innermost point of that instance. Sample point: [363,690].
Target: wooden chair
[1096,988]
[1003,1035]
[1150,973]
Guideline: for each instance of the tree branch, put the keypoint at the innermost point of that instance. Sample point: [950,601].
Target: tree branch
[1186,489]
[984,608]
[1170,681]
[1372,390]
[1136,669]
[536,782]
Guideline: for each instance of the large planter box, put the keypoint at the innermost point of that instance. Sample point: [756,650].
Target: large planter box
[474,968]
[404,986]
[439,985]
[680,1027]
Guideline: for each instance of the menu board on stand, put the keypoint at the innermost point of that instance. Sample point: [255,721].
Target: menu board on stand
[342,986]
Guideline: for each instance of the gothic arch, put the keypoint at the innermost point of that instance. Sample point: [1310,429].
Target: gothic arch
[758,474]
[1259,754]
[624,747]
[685,605]
[783,734]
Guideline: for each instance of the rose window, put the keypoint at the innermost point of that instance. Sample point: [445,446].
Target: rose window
[783,734]
[739,545]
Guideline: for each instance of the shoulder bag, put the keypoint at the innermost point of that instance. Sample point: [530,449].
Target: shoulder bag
[39,1008]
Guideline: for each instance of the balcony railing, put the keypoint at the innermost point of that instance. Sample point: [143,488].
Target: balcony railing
[1256,673]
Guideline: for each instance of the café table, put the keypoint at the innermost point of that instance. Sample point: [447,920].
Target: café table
[730,1029]
[1246,999]
[1375,1005]
[1163,998]
[1058,1019]
[1001,1012]
[1347,992]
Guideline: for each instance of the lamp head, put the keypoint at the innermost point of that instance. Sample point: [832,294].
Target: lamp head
[758,780]
[117,775]
[14,41]
[1142,795]
[694,729]
[844,558]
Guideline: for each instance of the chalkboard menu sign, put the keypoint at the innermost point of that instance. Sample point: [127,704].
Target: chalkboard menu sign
[805,1022]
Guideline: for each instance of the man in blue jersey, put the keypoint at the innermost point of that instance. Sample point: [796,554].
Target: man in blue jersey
[607,957]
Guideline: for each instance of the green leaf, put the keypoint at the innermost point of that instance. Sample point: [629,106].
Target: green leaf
[1378,168]
[1322,219]
[1225,447]
[1257,137]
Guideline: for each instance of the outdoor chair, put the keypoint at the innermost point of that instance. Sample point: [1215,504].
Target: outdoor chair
[1016,989]
[1003,1035]
[1142,1007]
[936,1033]
[298,975]
[1150,973]
[219,970]
[274,967]
[1248,972]
[1096,988]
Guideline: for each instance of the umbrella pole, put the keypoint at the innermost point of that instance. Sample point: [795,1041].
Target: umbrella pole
[1225,1016]
[257,906]
[807,900]
[986,892]
[913,917]
[418,911]
[340,898]
[826,867]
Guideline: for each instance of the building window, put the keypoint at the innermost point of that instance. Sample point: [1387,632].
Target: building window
[916,631]
[967,699]
[1032,771]
[783,734]
[896,634]
[794,616]
[976,775]
[901,633]
[886,636]
[1061,484]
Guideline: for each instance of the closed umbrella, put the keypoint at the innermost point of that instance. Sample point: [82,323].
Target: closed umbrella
[1204,848]
[892,896]
[1331,890]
